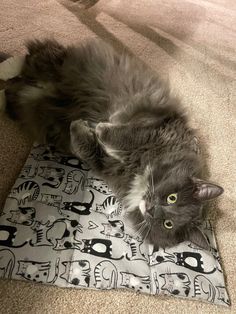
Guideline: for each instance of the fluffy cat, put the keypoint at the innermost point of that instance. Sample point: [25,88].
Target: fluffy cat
[115,113]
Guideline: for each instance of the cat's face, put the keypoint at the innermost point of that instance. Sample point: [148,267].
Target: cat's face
[170,204]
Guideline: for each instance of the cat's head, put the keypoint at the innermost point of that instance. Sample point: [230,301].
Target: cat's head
[166,203]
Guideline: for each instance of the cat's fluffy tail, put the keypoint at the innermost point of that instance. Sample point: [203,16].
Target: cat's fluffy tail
[44,59]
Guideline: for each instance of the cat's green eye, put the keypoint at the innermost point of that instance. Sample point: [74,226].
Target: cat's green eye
[168,224]
[172,198]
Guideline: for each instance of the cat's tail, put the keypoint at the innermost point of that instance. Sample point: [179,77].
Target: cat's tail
[44,59]
[40,67]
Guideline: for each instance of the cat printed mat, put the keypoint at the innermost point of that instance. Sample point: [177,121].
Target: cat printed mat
[61,225]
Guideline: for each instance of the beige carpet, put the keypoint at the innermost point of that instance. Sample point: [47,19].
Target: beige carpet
[193,42]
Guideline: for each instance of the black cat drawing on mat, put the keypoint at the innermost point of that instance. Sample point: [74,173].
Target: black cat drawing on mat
[99,247]
[193,261]
[73,162]
[51,154]
[7,236]
[190,260]
[80,208]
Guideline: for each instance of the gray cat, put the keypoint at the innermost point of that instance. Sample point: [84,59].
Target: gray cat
[113,112]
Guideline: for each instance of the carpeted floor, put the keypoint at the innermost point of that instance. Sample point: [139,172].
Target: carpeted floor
[193,43]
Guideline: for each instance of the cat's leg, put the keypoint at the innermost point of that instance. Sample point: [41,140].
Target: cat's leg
[125,137]
[85,145]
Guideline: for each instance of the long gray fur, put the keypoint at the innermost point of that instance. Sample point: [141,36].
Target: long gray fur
[115,113]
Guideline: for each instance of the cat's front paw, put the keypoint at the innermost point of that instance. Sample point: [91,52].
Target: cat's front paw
[77,125]
[102,130]
[81,137]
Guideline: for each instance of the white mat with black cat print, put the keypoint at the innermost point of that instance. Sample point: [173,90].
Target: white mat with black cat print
[61,225]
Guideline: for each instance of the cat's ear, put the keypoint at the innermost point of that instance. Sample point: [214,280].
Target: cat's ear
[205,191]
[197,237]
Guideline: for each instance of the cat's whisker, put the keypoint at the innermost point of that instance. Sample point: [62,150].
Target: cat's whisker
[140,223]
[151,196]
[139,231]
[152,180]
[147,233]
[144,234]
[142,229]
[146,226]
[149,193]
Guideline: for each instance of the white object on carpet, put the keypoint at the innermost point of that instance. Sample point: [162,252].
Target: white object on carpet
[9,69]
